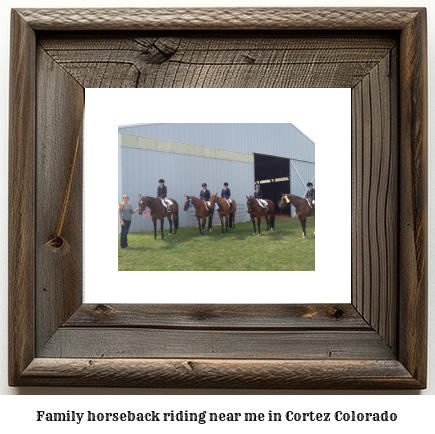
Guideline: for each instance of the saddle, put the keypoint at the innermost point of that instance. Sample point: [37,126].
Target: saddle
[310,203]
[263,205]
[168,204]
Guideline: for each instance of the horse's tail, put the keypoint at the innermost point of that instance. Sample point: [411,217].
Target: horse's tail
[230,224]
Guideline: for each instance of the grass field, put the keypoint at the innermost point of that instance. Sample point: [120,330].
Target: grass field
[282,249]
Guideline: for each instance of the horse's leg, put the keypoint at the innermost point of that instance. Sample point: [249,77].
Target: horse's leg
[155,227]
[222,222]
[162,221]
[175,217]
[204,221]
[226,222]
[199,223]
[303,223]
[170,224]
[267,222]
[210,222]
[234,220]
[253,221]
[273,219]
[259,224]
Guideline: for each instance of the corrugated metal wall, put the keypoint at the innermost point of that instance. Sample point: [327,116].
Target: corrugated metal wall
[283,140]
[301,172]
[183,174]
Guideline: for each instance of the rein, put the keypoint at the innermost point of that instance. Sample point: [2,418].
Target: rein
[150,206]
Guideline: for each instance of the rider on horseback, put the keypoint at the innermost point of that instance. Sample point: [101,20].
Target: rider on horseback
[205,196]
[310,195]
[259,196]
[162,192]
[226,194]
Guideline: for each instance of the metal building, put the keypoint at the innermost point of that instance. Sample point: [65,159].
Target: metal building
[278,156]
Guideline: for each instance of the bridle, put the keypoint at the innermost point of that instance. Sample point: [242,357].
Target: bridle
[186,201]
[251,200]
[281,201]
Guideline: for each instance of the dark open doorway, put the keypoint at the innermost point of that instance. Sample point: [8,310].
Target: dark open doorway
[273,175]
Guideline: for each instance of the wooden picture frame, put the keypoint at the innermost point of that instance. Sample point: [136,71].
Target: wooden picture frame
[378,341]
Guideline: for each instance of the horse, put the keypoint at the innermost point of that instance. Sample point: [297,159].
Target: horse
[201,212]
[159,212]
[224,211]
[303,210]
[255,210]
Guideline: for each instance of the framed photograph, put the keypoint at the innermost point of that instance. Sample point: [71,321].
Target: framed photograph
[256,147]
[377,341]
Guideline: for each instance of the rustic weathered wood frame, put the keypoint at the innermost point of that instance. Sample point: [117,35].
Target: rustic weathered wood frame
[377,341]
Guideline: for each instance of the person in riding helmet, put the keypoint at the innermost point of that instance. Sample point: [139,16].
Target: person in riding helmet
[226,194]
[162,193]
[310,194]
[205,195]
[259,196]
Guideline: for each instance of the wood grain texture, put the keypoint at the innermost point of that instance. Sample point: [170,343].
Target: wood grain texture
[250,374]
[127,342]
[220,18]
[378,342]
[21,229]
[375,198]
[413,197]
[236,60]
[59,278]
[270,317]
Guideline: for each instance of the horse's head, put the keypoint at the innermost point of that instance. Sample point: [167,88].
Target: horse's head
[283,202]
[142,204]
[213,199]
[250,203]
[186,203]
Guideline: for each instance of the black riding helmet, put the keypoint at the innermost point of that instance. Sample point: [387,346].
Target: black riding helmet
[204,184]
[226,183]
[161,180]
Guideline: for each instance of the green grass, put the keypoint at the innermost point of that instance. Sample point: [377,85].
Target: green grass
[282,249]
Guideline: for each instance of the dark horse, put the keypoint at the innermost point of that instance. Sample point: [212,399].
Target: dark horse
[159,212]
[256,210]
[224,211]
[303,210]
[201,212]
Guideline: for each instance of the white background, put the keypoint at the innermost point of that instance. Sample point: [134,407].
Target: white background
[324,115]
[20,411]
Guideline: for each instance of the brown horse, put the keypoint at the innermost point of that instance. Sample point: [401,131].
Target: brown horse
[303,210]
[224,211]
[257,211]
[201,212]
[159,212]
